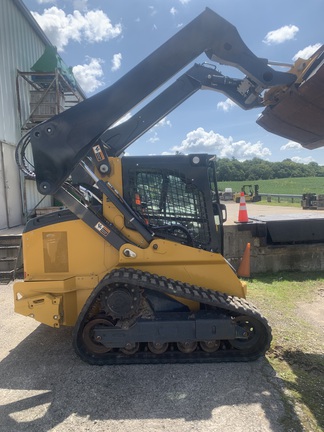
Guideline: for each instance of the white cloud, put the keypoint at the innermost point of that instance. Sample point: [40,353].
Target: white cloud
[281,35]
[46,1]
[61,28]
[173,11]
[307,52]
[98,27]
[154,135]
[89,75]
[226,105]
[305,160]
[291,145]
[153,138]
[116,62]
[184,1]
[153,11]
[163,122]
[201,141]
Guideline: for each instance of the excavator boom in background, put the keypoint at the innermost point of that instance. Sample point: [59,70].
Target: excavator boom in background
[135,261]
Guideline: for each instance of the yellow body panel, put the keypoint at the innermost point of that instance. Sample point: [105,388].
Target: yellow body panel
[82,253]
[65,261]
[89,258]
[187,264]
[111,213]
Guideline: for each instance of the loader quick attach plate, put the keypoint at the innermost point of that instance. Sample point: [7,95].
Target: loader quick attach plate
[297,112]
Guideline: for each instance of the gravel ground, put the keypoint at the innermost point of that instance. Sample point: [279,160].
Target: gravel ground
[255,210]
[44,386]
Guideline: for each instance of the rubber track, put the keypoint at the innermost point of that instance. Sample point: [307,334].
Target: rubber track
[238,306]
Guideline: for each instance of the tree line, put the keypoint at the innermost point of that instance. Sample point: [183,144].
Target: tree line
[259,169]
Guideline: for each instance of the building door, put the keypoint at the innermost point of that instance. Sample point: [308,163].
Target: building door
[10,191]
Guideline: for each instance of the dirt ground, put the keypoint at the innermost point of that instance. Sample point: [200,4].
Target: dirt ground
[44,386]
[313,311]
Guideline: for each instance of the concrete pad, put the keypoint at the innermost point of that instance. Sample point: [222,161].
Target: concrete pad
[260,211]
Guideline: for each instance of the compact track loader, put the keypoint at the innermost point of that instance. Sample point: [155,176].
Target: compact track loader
[134,262]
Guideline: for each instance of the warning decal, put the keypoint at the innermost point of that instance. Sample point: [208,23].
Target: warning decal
[98,153]
[102,229]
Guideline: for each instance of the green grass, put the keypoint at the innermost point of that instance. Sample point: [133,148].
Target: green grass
[296,352]
[294,186]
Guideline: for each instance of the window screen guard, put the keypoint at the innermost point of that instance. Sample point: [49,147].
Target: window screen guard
[166,199]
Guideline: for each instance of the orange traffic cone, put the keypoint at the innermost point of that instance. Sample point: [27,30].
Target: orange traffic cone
[244,269]
[242,216]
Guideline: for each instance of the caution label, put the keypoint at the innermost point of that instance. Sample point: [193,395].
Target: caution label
[102,229]
[98,153]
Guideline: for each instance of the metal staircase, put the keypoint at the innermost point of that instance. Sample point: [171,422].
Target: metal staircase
[11,265]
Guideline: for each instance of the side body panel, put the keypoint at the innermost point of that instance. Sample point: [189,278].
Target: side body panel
[55,293]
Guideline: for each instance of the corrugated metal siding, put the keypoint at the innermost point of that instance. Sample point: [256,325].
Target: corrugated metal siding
[20,47]
[3,208]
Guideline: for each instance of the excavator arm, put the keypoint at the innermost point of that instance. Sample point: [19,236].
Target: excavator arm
[60,143]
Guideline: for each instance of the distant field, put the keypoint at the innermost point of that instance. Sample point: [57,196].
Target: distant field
[295,186]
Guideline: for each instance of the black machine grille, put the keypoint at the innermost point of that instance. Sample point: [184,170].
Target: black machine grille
[167,199]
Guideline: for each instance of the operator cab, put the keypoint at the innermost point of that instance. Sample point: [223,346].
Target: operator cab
[176,197]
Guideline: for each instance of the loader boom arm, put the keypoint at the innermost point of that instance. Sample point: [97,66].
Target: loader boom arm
[199,76]
[60,143]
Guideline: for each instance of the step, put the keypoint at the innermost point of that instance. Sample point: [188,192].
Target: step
[10,240]
[9,251]
[7,264]
[10,255]
[6,277]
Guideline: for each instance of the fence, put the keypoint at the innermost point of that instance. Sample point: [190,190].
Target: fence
[282,197]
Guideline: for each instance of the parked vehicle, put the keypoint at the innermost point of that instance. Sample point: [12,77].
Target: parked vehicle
[251,193]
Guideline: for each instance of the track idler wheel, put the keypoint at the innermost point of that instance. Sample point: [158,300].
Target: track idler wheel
[253,333]
[210,346]
[187,347]
[157,347]
[94,345]
[130,348]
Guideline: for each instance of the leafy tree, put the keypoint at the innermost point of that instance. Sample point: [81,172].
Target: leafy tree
[259,169]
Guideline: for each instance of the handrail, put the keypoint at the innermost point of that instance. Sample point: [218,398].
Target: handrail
[279,196]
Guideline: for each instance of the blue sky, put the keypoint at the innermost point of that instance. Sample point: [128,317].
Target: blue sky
[104,39]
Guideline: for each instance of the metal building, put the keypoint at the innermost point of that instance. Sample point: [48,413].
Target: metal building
[22,43]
